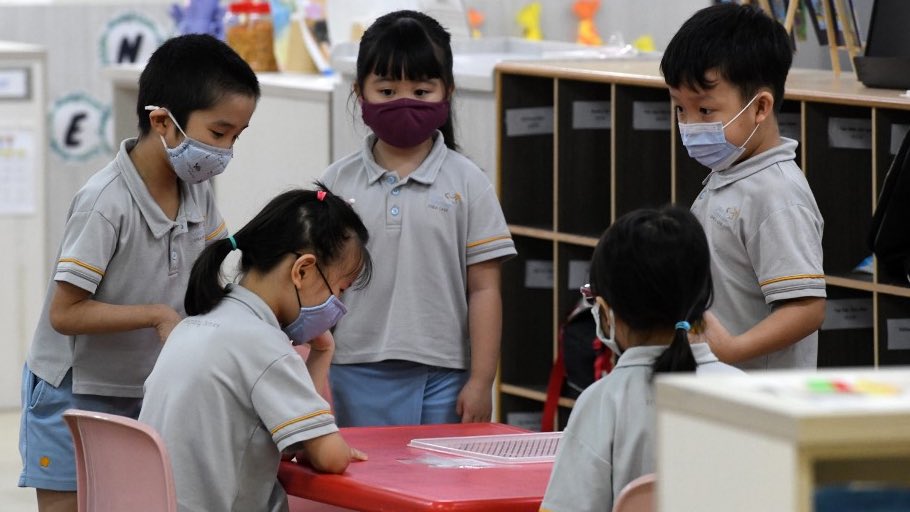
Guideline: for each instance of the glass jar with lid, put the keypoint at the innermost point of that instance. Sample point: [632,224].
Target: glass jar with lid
[249,31]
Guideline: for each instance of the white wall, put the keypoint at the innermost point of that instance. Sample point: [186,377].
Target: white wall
[71,31]
[24,277]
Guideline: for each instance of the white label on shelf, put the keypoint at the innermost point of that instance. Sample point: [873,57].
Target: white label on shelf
[849,133]
[898,132]
[898,333]
[588,115]
[788,122]
[529,121]
[578,273]
[847,314]
[14,84]
[539,274]
[651,115]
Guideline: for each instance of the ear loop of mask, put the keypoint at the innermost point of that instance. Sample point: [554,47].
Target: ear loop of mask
[155,107]
[743,146]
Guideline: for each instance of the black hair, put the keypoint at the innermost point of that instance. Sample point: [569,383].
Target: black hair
[189,73]
[293,222]
[653,268]
[747,47]
[408,45]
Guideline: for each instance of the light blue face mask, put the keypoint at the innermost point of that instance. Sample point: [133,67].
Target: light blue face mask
[194,161]
[315,320]
[708,145]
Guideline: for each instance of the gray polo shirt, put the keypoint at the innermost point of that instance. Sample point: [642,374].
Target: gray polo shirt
[228,394]
[765,234]
[609,440]
[120,246]
[425,230]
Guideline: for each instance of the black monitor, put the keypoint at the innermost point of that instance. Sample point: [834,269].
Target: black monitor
[886,63]
[889,29]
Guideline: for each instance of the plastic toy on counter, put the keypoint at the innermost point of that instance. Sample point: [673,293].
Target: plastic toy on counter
[528,18]
[475,21]
[587,30]
[644,44]
[199,17]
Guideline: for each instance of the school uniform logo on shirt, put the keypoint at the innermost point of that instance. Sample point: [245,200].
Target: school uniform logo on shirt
[442,202]
[725,216]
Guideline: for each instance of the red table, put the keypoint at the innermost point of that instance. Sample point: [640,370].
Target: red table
[394,479]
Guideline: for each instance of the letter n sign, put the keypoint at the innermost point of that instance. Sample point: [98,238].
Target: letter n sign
[130,38]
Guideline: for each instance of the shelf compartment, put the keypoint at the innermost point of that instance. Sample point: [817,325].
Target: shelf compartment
[642,148]
[839,158]
[584,123]
[574,271]
[520,411]
[893,330]
[527,318]
[846,336]
[890,127]
[689,174]
[523,399]
[526,160]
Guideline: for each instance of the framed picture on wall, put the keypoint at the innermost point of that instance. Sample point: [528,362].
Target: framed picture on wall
[817,9]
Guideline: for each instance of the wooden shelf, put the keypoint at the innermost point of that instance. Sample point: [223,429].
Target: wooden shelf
[890,289]
[852,283]
[562,185]
[587,241]
[533,394]
[530,232]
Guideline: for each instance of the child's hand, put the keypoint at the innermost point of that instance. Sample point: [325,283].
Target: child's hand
[720,340]
[475,402]
[325,342]
[358,455]
[165,320]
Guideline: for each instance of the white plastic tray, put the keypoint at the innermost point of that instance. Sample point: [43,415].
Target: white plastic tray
[503,448]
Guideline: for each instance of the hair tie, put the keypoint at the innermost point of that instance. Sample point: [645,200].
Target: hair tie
[320,195]
[683,325]
[233,243]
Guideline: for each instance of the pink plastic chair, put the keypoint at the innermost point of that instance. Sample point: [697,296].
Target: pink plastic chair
[638,495]
[121,464]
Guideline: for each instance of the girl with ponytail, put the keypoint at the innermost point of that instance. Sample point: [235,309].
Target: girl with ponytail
[229,394]
[650,282]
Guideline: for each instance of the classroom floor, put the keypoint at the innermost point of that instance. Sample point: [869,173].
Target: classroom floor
[12,498]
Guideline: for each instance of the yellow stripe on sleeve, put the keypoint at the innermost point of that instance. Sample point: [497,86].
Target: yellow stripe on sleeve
[215,233]
[791,278]
[488,240]
[302,418]
[83,265]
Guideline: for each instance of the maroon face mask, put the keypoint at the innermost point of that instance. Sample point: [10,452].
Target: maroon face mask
[405,123]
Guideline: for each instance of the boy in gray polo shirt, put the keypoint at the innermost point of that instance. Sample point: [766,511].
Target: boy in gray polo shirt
[726,68]
[132,234]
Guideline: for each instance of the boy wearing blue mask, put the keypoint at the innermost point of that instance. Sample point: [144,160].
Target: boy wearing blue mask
[132,234]
[726,68]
